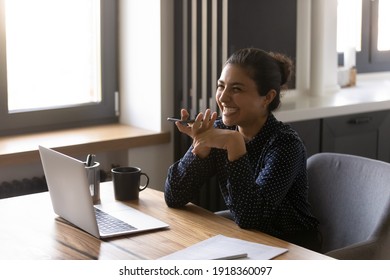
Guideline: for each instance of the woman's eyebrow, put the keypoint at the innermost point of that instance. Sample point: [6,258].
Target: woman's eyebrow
[233,84]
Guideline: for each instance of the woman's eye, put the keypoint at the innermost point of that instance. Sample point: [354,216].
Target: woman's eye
[236,89]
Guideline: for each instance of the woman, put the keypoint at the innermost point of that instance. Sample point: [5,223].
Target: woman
[260,162]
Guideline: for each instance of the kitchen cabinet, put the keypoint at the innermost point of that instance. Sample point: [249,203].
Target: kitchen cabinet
[309,132]
[363,134]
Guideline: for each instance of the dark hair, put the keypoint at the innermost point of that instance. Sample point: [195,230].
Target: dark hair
[268,70]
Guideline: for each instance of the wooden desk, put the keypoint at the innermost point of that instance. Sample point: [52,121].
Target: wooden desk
[29,229]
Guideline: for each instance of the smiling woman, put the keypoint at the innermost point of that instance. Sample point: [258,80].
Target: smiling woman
[58,62]
[258,161]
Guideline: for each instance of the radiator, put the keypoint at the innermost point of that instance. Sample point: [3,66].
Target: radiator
[22,187]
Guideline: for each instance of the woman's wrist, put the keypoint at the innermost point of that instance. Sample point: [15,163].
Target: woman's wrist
[201,152]
[235,147]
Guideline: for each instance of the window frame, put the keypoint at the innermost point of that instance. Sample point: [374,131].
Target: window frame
[75,116]
[369,59]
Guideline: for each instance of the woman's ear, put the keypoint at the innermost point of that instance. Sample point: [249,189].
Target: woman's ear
[270,96]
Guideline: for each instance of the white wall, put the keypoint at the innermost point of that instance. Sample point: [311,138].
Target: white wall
[146,78]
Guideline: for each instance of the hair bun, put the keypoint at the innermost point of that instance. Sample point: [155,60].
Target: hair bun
[286,67]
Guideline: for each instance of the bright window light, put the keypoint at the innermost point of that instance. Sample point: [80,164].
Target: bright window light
[383,25]
[349,25]
[53,53]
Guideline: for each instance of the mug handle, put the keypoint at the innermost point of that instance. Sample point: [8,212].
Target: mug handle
[141,188]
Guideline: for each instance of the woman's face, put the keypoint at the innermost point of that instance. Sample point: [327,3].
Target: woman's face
[238,98]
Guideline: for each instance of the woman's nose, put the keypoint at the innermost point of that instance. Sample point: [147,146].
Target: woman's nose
[224,95]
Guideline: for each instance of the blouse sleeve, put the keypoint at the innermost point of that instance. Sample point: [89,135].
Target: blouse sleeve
[185,178]
[253,197]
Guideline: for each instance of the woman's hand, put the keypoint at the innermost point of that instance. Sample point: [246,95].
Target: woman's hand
[205,136]
[203,122]
[229,140]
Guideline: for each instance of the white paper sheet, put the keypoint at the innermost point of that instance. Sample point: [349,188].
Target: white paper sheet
[222,247]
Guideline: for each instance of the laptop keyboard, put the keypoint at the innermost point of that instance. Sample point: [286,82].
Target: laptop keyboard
[109,224]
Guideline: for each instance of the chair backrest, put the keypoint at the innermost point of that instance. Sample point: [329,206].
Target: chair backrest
[350,196]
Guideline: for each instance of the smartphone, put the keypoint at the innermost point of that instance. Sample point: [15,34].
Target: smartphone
[179,120]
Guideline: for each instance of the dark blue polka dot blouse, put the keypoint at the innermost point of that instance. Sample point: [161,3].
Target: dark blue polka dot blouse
[266,189]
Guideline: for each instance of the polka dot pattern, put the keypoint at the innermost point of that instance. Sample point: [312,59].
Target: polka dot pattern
[266,189]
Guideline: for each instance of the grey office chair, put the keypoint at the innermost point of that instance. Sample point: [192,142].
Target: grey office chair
[350,195]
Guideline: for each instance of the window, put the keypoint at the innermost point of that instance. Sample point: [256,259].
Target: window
[363,24]
[58,63]
[349,25]
[383,24]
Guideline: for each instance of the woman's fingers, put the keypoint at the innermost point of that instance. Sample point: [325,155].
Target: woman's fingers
[203,122]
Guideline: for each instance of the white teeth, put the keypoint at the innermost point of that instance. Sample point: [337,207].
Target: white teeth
[229,110]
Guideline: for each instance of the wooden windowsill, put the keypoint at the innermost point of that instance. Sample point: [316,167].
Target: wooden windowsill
[22,149]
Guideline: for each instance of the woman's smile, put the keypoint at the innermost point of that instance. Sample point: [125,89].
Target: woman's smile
[228,111]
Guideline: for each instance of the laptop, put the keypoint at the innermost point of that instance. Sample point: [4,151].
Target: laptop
[71,199]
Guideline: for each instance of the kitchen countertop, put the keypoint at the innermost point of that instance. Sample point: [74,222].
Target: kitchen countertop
[367,96]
